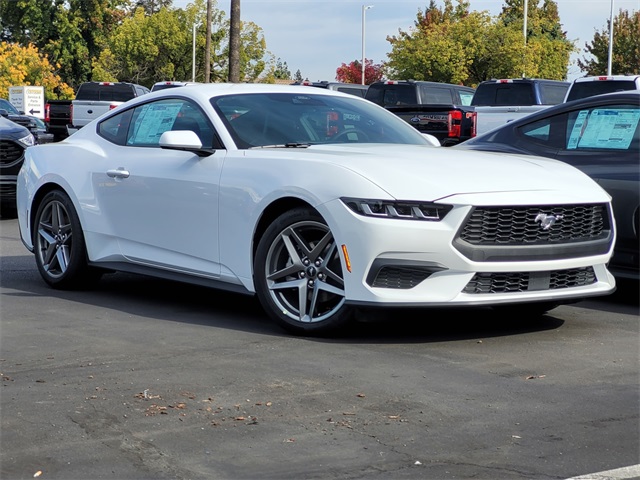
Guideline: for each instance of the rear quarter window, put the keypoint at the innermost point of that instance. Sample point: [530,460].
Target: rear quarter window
[598,87]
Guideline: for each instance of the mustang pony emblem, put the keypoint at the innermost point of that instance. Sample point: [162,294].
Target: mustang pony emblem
[546,221]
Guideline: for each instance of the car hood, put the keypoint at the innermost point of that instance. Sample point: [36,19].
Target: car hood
[411,171]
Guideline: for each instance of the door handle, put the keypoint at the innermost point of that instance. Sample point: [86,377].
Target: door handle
[119,172]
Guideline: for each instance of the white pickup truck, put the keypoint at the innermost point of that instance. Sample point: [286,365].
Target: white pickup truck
[497,102]
[95,98]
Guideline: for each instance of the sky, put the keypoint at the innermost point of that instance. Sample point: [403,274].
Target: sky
[316,37]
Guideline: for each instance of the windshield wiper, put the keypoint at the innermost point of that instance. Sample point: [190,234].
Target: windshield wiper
[284,145]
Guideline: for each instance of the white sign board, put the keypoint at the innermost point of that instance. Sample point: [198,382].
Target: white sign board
[28,99]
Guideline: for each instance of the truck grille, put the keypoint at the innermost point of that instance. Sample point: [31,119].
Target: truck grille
[10,153]
[483,283]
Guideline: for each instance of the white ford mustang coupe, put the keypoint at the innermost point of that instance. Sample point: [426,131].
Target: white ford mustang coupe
[318,202]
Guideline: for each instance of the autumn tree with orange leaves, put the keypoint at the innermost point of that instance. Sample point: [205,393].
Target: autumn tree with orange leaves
[25,65]
[352,73]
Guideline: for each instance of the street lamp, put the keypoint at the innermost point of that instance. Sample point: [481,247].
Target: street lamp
[609,62]
[193,71]
[364,9]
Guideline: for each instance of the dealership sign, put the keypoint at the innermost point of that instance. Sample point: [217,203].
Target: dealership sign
[28,99]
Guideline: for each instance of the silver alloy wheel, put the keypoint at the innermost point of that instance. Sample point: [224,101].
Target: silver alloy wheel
[304,272]
[54,239]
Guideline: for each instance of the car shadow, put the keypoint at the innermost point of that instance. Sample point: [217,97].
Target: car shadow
[167,300]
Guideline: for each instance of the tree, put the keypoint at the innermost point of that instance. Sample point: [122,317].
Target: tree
[234,42]
[456,45]
[626,47]
[298,76]
[281,70]
[352,73]
[547,49]
[442,46]
[27,66]
[143,49]
[153,6]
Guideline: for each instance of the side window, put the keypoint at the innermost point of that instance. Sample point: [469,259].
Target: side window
[604,128]
[465,97]
[151,120]
[549,131]
[115,128]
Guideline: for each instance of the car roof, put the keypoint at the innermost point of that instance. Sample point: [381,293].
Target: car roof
[207,90]
[599,78]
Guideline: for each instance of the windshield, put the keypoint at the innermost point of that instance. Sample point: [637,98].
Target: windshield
[268,119]
[8,106]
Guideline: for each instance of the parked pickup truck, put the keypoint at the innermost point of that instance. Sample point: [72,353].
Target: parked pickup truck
[439,109]
[596,85]
[95,98]
[57,115]
[497,102]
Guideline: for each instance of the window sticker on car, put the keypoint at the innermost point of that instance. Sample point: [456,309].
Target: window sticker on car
[607,128]
[153,121]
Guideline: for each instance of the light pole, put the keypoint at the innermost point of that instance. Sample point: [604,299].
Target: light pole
[609,62]
[364,9]
[193,70]
[524,34]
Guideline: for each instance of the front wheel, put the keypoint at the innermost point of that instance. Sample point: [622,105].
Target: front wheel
[298,274]
[61,255]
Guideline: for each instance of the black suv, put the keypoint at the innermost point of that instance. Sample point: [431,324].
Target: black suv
[14,140]
[8,110]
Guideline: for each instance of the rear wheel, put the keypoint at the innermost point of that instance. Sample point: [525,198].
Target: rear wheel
[61,255]
[298,274]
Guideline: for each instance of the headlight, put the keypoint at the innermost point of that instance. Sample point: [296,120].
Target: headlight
[27,141]
[398,209]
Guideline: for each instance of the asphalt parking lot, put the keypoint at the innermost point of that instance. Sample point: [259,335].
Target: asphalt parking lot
[148,379]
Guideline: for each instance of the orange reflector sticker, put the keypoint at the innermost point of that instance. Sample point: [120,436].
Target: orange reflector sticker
[346,257]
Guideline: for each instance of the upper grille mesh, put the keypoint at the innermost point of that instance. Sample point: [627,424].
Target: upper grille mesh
[513,226]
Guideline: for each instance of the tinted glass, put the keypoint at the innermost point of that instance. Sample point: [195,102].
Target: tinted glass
[144,125]
[436,95]
[552,94]
[105,92]
[503,94]
[465,97]
[8,106]
[278,119]
[597,87]
[603,128]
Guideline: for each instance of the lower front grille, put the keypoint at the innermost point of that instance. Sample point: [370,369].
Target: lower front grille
[487,283]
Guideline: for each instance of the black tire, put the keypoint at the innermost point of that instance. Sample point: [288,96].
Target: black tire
[61,254]
[525,310]
[298,275]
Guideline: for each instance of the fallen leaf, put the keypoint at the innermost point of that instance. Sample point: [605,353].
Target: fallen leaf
[361,395]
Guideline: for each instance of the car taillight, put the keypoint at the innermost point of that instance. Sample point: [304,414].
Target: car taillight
[47,109]
[112,106]
[71,114]
[474,126]
[454,123]
[332,123]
